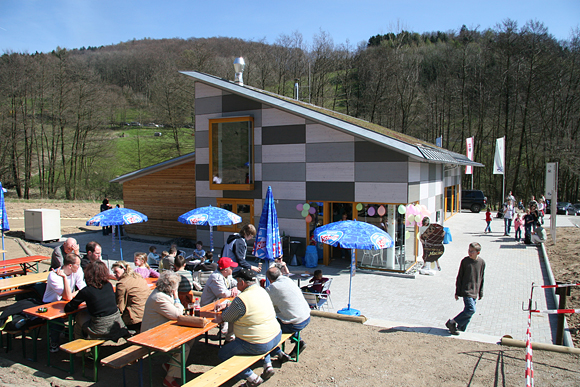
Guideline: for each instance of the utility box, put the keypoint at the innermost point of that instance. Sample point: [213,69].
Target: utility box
[42,224]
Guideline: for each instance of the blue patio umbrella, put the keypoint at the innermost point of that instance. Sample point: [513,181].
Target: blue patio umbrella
[210,216]
[117,217]
[268,245]
[352,234]
[3,218]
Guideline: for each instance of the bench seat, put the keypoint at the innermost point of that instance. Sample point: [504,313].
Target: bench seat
[229,368]
[33,328]
[14,292]
[80,346]
[127,357]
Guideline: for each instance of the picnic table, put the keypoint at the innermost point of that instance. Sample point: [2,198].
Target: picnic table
[26,263]
[55,310]
[15,282]
[169,336]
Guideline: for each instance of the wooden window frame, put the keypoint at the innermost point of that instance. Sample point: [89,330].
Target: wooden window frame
[235,202]
[231,187]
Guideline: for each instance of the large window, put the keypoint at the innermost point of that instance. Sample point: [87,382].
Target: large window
[231,153]
[242,207]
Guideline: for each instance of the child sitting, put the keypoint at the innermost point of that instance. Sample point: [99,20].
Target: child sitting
[142,268]
[153,257]
[317,283]
[199,252]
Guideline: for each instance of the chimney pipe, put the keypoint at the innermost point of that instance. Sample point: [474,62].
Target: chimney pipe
[239,65]
[296,89]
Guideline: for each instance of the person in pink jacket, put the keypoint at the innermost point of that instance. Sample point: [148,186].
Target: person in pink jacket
[518,225]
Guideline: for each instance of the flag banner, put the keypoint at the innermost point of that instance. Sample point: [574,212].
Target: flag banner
[499,160]
[439,141]
[469,142]
[4,226]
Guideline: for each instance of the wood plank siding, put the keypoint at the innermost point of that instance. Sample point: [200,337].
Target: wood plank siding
[163,196]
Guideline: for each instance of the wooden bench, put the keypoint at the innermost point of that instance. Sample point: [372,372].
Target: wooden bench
[35,329]
[14,292]
[10,271]
[81,346]
[126,357]
[230,368]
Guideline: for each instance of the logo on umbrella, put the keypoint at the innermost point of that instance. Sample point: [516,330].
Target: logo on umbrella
[380,241]
[260,245]
[95,220]
[132,218]
[330,237]
[198,219]
[234,218]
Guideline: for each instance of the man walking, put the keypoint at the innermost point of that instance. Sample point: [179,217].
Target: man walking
[507,217]
[469,286]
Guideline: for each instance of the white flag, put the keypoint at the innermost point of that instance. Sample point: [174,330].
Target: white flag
[469,142]
[439,141]
[499,160]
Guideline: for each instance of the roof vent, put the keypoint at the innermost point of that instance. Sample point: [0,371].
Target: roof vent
[239,65]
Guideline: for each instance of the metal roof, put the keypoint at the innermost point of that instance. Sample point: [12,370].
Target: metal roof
[413,147]
[155,168]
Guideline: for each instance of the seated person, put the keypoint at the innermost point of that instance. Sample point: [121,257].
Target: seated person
[69,246]
[163,305]
[220,283]
[169,260]
[63,284]
[186,283]
[153,258]
[199,252]
[142,268]
[292,310]
[254,323]
[539,234]
[131,293]
[317,283]
[207,265]
[281,265]
[101,319]
[93,254]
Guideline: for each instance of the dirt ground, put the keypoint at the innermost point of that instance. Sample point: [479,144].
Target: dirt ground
[349,354]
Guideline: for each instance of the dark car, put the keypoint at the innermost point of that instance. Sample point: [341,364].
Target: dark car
[565,208]
[577,208]
[473,200]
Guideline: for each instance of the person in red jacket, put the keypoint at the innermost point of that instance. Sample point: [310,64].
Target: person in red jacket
[488,221]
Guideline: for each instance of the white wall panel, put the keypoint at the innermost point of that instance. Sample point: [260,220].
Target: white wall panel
[321,133]
[288,153]
[275,117]
[414,172]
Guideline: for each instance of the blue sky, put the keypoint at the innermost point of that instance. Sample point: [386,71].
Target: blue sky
[42,25]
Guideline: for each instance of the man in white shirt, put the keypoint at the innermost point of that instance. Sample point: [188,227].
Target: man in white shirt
[507,218]
[60,285]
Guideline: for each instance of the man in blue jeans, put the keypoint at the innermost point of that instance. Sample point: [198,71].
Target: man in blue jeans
[255,326]
[469,285]
[292,310]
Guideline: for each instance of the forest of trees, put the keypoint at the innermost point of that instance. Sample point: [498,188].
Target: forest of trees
[58,110]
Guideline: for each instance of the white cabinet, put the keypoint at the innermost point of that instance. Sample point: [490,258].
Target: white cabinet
[42,224]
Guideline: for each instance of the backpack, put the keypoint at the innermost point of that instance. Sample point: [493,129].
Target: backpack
[13,319]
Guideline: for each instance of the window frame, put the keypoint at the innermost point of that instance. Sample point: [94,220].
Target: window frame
[235,202]
[231,187]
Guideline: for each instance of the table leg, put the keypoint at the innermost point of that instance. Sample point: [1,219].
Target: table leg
[183,360]
[71,357]
[48,342]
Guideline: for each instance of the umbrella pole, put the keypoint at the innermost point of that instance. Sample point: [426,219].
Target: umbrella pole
[210,238]
[348,310]
[120,246]
[3,254]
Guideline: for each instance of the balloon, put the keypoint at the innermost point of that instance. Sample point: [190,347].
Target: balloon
[407,223]
[411,223]
[371,211]
[417,209]
[305,206]
[401,209]
[312,210]
[308,219]
[411,209]
[304,213]
[418,218]
[299,207]
[407,234]
[381,210]
[359,207]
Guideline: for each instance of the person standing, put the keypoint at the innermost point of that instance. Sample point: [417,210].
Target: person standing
[469,286]
[236,248]
[507,218]
[105,206]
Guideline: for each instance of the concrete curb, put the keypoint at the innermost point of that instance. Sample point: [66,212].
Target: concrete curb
[567,337]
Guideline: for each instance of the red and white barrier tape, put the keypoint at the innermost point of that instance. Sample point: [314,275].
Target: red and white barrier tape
[559,286]
[555,311]
[529,365]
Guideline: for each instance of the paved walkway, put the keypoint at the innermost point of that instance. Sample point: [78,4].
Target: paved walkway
[424,303]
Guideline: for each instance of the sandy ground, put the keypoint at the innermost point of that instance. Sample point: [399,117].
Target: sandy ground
[341,353]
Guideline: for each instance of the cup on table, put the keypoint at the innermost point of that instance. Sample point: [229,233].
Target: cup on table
[190,307]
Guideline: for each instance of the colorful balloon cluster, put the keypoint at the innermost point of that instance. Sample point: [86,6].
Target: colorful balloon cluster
[415,213]
[307,211]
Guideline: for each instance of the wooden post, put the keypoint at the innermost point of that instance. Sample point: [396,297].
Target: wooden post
[563,293]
